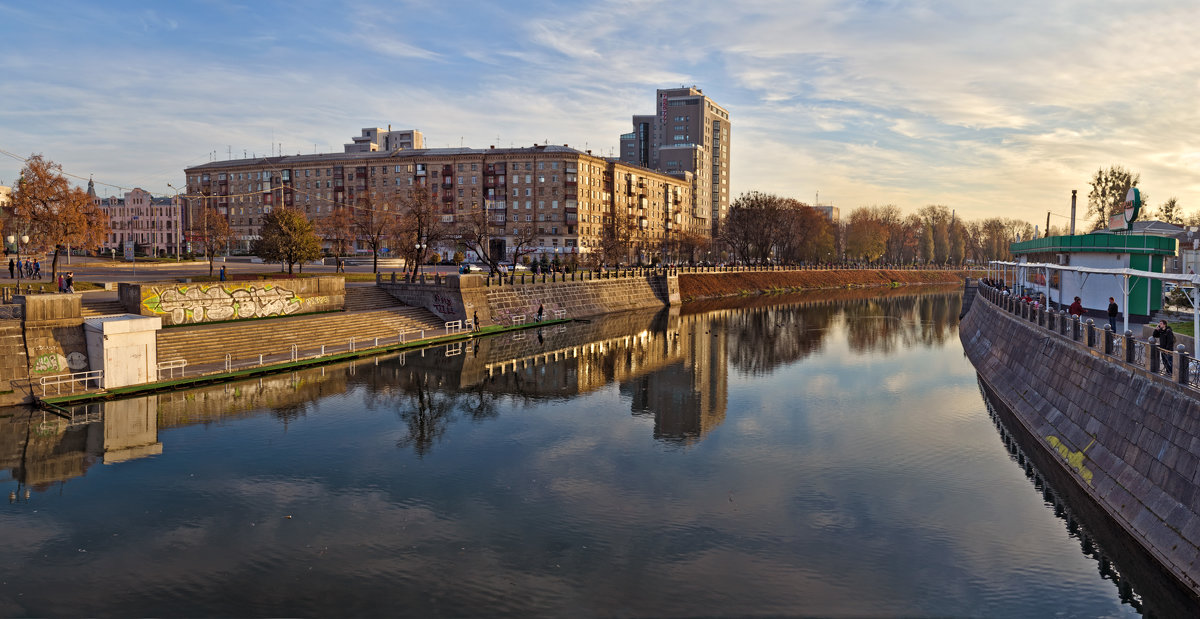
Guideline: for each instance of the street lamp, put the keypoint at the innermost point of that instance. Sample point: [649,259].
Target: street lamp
[420,247]
[176,204]
[17,240]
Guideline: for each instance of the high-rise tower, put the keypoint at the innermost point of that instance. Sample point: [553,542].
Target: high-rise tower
[688,135]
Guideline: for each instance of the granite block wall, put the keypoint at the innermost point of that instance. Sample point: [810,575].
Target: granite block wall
[1130,439]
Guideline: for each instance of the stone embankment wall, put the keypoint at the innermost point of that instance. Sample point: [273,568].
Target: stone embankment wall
[1128,437]
[722,284]
[460,297]
[191,303]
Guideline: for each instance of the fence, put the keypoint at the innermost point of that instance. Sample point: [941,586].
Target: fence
[1176,365]
[73,383]
[529,277]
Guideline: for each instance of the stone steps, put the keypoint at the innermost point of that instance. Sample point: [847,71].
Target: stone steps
[359,298]
[101,308]
[210,343]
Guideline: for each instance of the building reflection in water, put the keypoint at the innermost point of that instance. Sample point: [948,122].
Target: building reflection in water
[672,364]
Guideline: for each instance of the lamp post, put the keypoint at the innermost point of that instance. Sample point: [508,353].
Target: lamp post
[17,241]
[420,250]
[178,214]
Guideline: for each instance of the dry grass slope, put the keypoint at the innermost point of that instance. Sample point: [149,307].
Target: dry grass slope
[711,285]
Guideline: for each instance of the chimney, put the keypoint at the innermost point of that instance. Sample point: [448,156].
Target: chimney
[493,147]
[589,151]
[1073,212]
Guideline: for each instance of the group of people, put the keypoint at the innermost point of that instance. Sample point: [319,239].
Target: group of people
[66,282]
[27,269]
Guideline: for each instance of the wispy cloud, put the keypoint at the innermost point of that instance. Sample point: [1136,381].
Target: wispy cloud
[992,108]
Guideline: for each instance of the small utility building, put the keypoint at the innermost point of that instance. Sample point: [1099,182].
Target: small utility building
[1099,250]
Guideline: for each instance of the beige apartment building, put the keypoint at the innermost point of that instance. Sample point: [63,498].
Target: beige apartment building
[688,135]
[568,197]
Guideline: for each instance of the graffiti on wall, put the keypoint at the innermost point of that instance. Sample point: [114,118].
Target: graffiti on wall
[443,306]
[57,362]
[211,303]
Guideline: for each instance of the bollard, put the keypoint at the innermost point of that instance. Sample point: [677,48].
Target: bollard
[260,358]
[1075,328]
[1108,339]
[1181,364]
[322,350]
[1152,361]
[1128,346]
[1091,333]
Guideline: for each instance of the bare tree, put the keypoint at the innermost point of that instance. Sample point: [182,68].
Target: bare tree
[374,223]
[337,229]
[420,224]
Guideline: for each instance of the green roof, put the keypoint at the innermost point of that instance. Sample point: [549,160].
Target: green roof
[1101,243]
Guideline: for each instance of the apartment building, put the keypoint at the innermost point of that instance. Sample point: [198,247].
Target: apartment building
[566,198]
[154,224]
[374,139]
[689,134]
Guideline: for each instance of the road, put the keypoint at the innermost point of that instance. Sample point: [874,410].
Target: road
[105,270]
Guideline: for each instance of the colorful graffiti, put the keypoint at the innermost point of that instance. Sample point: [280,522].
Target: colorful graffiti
[211,303]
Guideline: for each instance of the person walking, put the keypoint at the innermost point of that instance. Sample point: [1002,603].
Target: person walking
[475,321]
[541,311]
[1113,310]
[1076,308]
[62,286]
[222,275]
[37,269]
[12,268]
[70,282]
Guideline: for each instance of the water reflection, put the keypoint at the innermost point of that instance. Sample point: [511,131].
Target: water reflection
[671,364]
[716,460]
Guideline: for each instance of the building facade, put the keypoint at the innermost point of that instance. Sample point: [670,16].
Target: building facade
[687,137]
[153,224]
[374,139]
[554,200]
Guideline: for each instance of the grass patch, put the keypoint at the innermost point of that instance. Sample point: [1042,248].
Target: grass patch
[1183,328]
[45,285]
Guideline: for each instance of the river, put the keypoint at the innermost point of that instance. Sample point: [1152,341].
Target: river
[819,454]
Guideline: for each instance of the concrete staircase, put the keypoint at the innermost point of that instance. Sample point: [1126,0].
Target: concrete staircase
[370,297]
[203,344]
[100,307]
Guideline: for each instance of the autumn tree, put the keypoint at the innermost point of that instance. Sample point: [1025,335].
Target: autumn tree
[211,230]
[866,235]
[287,237]
[1109,188]
[52,212]
[337,229]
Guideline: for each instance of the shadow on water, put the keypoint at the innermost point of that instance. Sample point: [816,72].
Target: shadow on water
[1140,581]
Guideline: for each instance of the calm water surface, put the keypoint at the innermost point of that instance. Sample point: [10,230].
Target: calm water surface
[792,456]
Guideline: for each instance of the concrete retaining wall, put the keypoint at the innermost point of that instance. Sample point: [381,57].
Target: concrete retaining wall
[460,297]
[192,303]
[1130,439]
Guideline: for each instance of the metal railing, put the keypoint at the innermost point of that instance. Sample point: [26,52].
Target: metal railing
[1176,365]
[171,366]
[76,382]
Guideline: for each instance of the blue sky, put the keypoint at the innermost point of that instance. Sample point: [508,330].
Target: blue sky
[994,109]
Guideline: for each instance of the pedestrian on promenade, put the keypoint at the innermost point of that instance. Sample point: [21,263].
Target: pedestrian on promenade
[62,287]
[12,268]
[1166,342]
[37,269]
[222,275]
[1076,308]
[541,311]
[475,321]
[1113,310]
[70,282]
